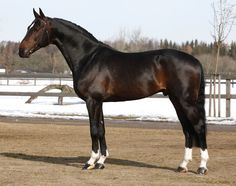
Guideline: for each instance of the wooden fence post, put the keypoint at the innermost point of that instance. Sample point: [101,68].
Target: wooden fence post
[210,95]
[8,81]
[35,81]
[228,97]
[214,96]
[219,94]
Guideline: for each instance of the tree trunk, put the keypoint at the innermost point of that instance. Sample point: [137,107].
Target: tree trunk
[218,45]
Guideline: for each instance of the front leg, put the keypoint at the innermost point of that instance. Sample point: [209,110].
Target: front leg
[95,154]
[97,132]
[102,142]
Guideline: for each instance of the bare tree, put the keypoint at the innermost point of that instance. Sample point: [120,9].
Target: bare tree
[8,56]
[120,42]
[224,19]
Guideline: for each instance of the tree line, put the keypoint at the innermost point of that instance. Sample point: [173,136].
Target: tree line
[46,60]
[50,60]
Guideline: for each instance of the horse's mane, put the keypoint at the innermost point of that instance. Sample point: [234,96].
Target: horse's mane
[77,28]
[82,31]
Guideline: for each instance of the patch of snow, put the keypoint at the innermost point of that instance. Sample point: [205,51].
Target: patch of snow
[148,109]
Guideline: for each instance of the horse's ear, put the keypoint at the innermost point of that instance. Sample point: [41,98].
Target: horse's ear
[41,13]
[36,15]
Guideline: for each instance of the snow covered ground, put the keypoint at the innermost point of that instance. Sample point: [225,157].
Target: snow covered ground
[151,109]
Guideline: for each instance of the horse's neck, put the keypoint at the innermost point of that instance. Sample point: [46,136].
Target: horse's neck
[74,46]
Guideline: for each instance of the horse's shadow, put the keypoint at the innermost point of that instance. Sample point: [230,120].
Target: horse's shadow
[77,161]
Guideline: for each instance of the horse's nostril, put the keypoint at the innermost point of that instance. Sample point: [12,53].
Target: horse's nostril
[23,52]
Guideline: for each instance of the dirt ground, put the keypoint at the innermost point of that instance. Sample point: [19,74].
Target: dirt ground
[40,152]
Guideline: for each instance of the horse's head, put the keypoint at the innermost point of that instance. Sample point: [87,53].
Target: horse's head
[37,36]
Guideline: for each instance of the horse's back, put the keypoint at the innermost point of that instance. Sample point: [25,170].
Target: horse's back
[118,76]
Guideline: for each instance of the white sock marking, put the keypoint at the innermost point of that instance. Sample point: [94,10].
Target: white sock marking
[204,158]
[94,157]
[103,158]
[187,158]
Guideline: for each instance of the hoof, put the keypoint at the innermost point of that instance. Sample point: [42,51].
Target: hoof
[182,169]
[88,167]
[202,171]
[99,166]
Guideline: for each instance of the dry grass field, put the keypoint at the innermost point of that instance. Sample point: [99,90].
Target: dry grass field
[53,153]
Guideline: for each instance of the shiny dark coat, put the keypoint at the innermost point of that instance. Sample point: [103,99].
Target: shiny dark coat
[102,74]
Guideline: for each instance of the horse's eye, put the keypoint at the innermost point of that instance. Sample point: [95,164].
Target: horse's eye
[37,24]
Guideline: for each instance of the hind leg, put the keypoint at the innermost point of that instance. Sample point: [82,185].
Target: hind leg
[187,152]
[200,130]
[196,117]
[188,133]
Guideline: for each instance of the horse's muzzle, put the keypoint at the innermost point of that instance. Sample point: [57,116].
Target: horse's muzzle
[24,53]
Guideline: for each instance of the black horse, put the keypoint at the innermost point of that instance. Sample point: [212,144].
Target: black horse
[102,74]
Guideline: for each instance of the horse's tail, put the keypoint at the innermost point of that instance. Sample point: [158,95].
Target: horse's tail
[201,96]
[201,105]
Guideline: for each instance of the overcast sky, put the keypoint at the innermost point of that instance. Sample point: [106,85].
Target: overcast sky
[176,20]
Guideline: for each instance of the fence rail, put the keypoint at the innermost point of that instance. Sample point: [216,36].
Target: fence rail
[7,78]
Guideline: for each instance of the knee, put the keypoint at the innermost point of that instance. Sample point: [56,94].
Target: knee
[94,131]
[200,127]
[101,132]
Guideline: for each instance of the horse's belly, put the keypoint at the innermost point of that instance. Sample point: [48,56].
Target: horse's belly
[133,92]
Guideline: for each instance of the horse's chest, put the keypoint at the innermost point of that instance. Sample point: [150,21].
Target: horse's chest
[83,88]
[80,89]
